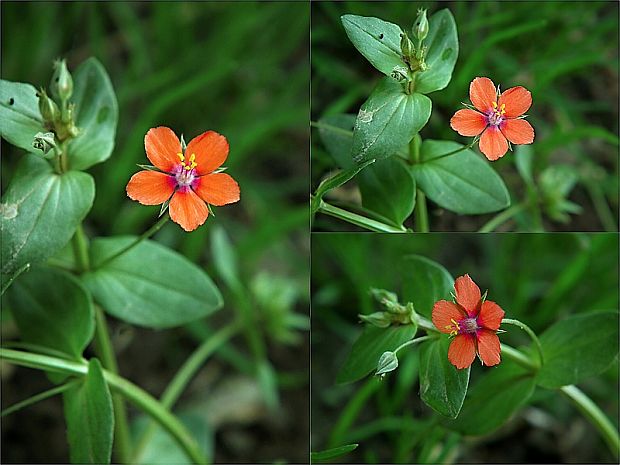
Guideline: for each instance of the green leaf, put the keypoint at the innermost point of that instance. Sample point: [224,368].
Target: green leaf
[20,118]
[40,211]
[443,49]
[163,449]
[578,347]
[388,188]
[524,159]
[328,454]
[462,182]
[497,396]
[334,181]
[377,182]
[442,386]
[90,418]
[150,285]
[556,183]
[369,347]
[225,257]
[96,113]
[388,120]
[52,309]
[377,40]
[268,382]
[424,283]
[336,132]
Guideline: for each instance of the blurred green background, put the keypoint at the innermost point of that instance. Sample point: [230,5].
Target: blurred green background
[241,69]
[565,53]
[536,278]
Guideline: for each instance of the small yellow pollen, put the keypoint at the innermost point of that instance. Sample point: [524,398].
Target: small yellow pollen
[494,104]
[192,161]
[456,327]
[503,108]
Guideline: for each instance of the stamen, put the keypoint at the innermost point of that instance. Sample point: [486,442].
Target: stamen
[192,161]
[455,331]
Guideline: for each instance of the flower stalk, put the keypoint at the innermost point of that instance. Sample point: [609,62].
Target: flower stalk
[530,333]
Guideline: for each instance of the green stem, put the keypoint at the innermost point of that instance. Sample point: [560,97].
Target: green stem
[351,411]
[518,357]
[38,398]
[421,211]
[530,333]
[358,220]
[80,249]
[593,413]
[413,341]
[122,437]
[148,233]
[130,391]
[105,351]
[182,379]
[502,218]
[444,155]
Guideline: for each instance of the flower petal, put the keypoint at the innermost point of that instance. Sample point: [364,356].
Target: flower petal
[491,315]
[443,314]
[462,351]
[518,131]
[467,294]
[150,187]
[217,189]
[468,122]
[211,150]
[488,347]
[517,100]
[493,143]
[482,94]
[162,146]
[188,210]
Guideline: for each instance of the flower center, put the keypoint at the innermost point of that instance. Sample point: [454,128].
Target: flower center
[185,171]
[469,325]
[466,325]
[496,116]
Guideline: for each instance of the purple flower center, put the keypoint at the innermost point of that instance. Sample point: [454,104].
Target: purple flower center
[184,177]
[469,325]
[496,115]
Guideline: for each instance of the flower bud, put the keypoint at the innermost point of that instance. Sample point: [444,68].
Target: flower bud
[48,108]
[420,27]
[44,141]
[406,46]
[382,296]
[62,82]
[378,319]
[387,362]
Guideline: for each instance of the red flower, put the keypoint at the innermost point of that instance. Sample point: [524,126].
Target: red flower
[497,117]
[187,180]
[473,321]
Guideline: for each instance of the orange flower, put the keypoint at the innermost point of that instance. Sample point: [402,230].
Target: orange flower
[473,321]
[184,179]
[497,117]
